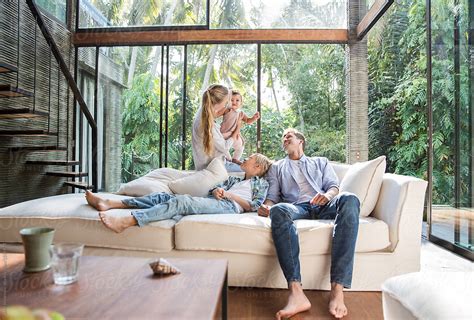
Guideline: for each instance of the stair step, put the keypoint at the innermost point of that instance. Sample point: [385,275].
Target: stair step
[79,185]
[21,113]
[68,174]
[27,133]
[6,67]
[33,148]
[54,162]
[9,91]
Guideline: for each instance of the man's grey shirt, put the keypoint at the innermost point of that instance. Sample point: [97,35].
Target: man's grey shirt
[283,187]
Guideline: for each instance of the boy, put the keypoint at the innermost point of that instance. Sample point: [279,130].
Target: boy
[235,195]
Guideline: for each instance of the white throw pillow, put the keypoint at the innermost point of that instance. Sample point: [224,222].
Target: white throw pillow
[199,183]
[364,179]
[155,181]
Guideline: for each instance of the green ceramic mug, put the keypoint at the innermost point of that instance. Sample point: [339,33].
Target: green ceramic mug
[36,242]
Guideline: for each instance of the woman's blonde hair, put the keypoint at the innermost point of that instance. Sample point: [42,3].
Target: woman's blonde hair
[214,94]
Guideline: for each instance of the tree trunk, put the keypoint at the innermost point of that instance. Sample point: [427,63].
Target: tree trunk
[157,58]
[133,63]
[273,90]
[210,64]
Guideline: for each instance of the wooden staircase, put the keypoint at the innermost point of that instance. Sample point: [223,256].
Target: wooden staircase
[33,140]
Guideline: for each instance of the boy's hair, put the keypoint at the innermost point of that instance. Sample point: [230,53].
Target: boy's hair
[297,133]
[263,162]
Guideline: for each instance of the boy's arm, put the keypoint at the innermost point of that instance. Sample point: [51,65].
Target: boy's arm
[244,204]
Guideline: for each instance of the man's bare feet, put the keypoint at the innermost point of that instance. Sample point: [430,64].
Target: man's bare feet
[117,224]
[336,301]
[97,202]
[297,302]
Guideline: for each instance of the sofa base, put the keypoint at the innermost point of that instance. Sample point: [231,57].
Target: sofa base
[249,270]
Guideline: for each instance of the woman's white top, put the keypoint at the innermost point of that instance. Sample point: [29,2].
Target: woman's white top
[221,146]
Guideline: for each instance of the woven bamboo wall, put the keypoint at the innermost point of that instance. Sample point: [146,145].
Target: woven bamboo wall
[20,182]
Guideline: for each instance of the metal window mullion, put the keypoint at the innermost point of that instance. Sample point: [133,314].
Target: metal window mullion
[429,196]
[77,13]
[183,139]
[208,14]
[161,105]
[166,103]
[95,147]
[471,117]
[259,96]
[457,127]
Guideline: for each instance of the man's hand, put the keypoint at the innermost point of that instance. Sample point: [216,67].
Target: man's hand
[218,193]
[264,210]
[320,199]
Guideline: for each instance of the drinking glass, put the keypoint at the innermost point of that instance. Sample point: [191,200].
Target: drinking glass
[65,262]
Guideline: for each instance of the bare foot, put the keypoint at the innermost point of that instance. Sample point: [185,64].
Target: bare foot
[117,224]
[297,302]
[336,301]
[97,202]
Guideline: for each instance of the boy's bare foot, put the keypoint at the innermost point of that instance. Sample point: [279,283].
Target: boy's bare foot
[297,302]
[97,202]
[336,301]
[117,224]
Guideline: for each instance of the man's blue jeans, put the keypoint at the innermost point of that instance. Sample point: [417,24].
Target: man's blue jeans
[344,208]
[161,206]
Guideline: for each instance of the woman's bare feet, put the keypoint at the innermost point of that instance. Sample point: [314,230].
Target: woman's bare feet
[297,302]
[336,301]
[117,224]
[96,201]
[103,204]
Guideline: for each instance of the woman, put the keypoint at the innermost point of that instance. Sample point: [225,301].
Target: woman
[208,142]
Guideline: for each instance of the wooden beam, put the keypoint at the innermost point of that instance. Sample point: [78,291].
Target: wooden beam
[372,16]
[137,38]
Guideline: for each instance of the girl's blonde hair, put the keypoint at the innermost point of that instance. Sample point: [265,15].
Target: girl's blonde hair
[214,94]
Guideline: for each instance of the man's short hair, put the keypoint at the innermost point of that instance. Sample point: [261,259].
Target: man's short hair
[297,134]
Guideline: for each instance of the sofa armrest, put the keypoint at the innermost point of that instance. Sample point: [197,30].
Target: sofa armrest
[400,205]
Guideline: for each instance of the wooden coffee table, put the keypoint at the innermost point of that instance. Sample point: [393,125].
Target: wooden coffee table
[121,288]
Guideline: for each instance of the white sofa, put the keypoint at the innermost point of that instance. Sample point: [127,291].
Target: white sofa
[388,243]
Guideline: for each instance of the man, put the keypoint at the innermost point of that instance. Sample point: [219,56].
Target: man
[307,188]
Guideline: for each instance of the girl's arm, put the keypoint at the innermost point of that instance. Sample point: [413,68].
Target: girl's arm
[250,120]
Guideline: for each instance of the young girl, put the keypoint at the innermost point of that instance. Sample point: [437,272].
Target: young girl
[235,195]
[207,140]
[232,120]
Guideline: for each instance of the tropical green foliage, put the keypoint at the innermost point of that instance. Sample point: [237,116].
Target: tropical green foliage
[397,95]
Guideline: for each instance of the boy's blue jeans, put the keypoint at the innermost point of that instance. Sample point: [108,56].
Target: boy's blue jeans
[344,208]
[161,206]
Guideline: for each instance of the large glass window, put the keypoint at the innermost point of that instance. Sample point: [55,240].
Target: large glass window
[452,213]
[57,8]
[303,87]
[279,14]
[134,13]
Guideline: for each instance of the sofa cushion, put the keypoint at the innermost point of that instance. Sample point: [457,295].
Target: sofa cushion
[364,179]
[75,221]
[249,233]
[155,181]
[200,182]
